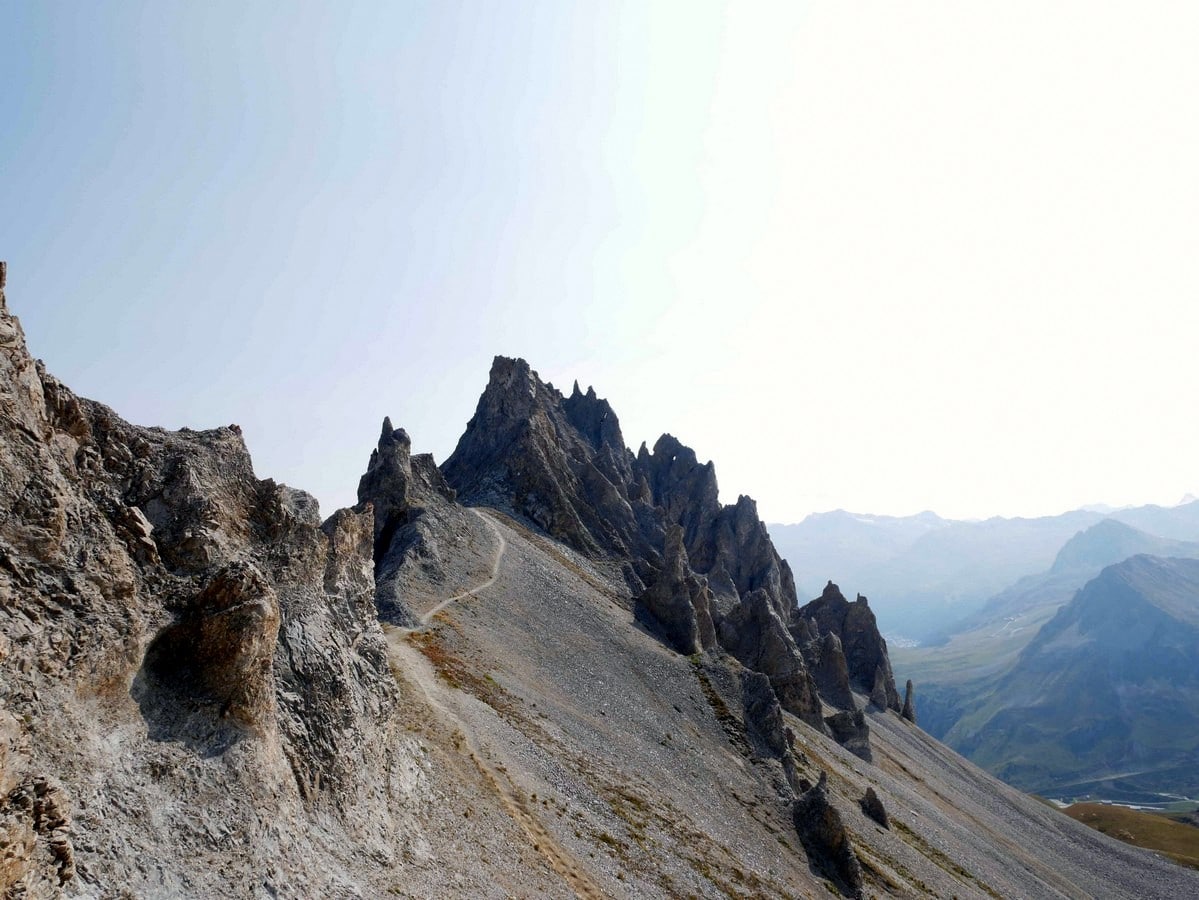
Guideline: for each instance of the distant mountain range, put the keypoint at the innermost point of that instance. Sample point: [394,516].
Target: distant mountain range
[925,575]
[955,676]
[1106,695]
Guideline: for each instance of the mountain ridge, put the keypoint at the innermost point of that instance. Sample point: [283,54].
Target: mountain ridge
[199,698]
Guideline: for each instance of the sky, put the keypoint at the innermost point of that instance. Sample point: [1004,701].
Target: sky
[875,256]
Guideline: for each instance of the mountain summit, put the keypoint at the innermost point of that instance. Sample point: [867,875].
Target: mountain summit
[705,573]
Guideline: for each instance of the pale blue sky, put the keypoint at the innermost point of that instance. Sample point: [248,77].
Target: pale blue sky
[876,256]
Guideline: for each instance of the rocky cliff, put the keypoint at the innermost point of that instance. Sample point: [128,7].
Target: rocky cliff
[190,662]
[706,573]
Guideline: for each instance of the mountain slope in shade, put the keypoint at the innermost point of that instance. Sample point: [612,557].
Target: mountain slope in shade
[1107,692]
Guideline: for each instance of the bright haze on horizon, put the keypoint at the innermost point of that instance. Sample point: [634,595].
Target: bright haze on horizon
[885,258]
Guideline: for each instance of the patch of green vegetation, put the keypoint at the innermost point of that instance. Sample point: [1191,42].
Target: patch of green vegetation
[1150,830]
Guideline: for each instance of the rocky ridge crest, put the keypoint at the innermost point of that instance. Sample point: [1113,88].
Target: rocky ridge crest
[707,574]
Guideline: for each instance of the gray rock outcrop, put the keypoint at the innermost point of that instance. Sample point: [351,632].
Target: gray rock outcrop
[826,660]
[909,703]
[879,695]
[679,601]
[849,729]
[222,640]
[826,839]
[864,647]
[872,807]
[754,634]
[708,574]
[412,506]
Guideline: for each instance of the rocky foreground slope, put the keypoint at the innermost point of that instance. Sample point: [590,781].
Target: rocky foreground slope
[602,686]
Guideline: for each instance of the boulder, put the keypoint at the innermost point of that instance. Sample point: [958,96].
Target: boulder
[872,807]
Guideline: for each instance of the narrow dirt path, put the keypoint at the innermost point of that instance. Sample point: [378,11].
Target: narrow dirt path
[500,549]
[412,666]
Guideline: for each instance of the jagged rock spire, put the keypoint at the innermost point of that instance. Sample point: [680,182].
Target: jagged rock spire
[909,703]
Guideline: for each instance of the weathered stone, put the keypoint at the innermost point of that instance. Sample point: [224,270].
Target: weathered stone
[190,653]
[411,502]
[826,839]
[849,729]
[873,808]
[219,653]
[878,694]
[909,703]
[763,715]
[679,601]
[524,449]
[756,636]
[864,647]
[826,660]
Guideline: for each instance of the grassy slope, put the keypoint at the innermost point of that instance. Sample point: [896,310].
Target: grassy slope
[1153,831]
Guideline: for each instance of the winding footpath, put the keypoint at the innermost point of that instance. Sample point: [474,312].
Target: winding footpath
[500,549]
[440,699]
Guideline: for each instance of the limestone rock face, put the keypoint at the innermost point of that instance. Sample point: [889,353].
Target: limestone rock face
[763,715]
[728,544]
[826,660]
[878,694]
[187,657]
[826,839]
[707,574]
[680,601]
[524,449]
[864,647]
[217,656]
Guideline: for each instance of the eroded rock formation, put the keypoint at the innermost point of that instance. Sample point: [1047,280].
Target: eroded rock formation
[413,505]
[221,639]
[873,808]
[710,573]
[909,703]
[864,648]
[825,837]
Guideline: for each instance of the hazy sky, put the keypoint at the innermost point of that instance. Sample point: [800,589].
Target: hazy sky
[877,256]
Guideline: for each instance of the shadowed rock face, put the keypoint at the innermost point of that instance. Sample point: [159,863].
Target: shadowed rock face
[680,601]
[873,807]
[411,501]
[909,703]
[824,836]
[863,645]
[523,449]
[826,659]
[849,729]
[755,635]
